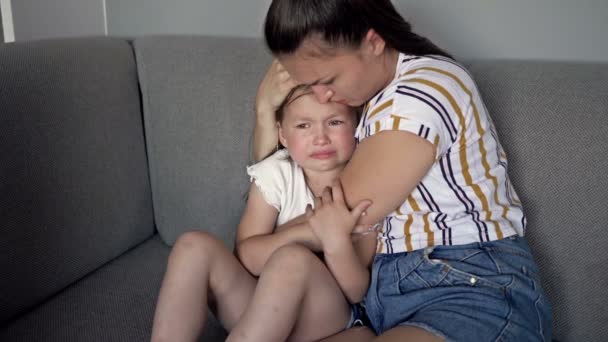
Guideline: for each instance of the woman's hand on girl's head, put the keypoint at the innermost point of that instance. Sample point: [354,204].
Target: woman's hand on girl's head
[272,90]
[332,221]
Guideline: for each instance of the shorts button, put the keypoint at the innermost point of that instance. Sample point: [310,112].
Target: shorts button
[473,280]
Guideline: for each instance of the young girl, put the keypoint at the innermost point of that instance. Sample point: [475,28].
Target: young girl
[452,263]
[297,295]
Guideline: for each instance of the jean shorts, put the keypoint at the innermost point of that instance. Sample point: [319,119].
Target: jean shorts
[358,317]
[487,291]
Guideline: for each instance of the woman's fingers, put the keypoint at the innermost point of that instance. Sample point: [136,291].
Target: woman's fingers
[364,229]
[360,208]
[273,88]
[286,83]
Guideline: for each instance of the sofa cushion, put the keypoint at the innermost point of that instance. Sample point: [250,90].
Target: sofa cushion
[115,303]
[198,95]
[74,187]
[552,119]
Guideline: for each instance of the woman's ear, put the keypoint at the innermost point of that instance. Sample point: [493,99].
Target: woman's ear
[282,139]
[374,42]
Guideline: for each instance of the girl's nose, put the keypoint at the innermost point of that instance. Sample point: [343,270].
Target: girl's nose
[322,93]
[320,136]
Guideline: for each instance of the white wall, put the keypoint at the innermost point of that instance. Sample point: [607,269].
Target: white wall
[6,22]
[520,29]
[488,29]
[241,18]
[1,25]
[39,19]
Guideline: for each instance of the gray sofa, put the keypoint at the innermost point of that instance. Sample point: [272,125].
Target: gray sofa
[110,148]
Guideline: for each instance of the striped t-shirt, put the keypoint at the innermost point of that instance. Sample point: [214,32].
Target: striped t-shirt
[467,195]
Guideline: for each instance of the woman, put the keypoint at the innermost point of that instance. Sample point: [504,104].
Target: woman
[451,263]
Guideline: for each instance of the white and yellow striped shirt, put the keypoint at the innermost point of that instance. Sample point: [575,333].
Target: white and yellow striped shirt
[467,195]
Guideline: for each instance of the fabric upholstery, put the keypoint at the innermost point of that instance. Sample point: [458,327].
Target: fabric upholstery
[198,95]
[75,192]
[552,119]
[115,303]
[74,187]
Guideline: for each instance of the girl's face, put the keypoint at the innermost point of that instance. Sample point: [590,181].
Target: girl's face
[319,137]
[344,75]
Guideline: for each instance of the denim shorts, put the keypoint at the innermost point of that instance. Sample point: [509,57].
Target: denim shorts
[358,317]
[486,291]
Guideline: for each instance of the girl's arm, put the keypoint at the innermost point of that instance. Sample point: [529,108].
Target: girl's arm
[255,240]
[350,264]
[333,222]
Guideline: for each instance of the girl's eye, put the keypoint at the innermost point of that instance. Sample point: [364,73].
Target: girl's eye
[329,81]
[336,122]
[302,125]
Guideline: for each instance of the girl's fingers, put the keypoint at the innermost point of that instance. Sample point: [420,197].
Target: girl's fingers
[336,192]
[317,202]
[309,212]
[326,196]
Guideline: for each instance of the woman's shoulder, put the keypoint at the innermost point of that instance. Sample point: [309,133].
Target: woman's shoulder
[431,69]
[423,77]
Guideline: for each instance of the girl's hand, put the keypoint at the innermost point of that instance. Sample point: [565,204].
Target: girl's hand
[332,221]
[272,91]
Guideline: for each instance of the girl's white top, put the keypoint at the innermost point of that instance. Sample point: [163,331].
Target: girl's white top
[283,185]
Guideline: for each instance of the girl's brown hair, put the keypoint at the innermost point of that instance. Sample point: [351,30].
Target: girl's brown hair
[294,94]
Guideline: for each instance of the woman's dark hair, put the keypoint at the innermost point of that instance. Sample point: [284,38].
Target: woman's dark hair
[341,23]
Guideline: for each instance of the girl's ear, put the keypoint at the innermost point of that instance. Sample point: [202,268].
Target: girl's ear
[282,139]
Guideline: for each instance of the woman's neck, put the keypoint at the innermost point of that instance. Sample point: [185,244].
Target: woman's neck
[391,58]
[319,180]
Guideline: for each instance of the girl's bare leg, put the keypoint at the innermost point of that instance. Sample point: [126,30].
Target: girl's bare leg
[297,299]
[200,266]
[356,334]
[408,333]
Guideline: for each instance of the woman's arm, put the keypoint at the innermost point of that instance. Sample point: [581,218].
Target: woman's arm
[255,240]
[273,88]
[386,168]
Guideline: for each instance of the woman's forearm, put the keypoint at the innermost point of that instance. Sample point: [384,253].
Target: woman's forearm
[273,88]
[265,136]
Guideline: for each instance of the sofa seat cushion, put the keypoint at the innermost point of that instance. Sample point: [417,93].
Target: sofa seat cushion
[114,303]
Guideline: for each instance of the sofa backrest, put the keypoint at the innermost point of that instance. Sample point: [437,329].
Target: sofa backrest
[552,119]
[198,98]
[74,186]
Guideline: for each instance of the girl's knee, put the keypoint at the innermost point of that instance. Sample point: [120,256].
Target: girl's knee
[197,242]
[292,257]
